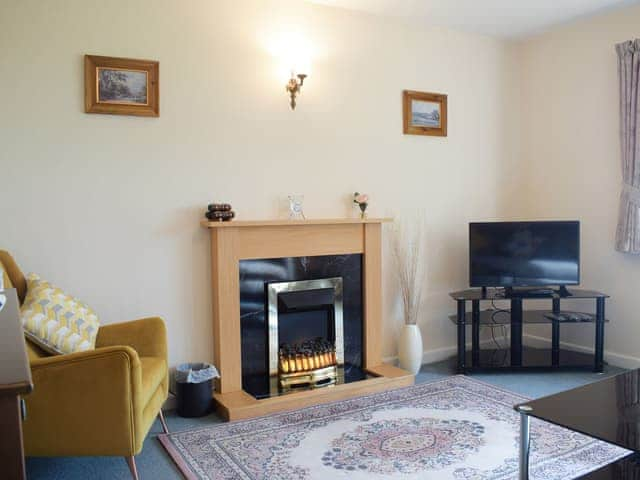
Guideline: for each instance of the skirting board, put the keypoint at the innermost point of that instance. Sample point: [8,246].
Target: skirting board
[439,354]
[613,358]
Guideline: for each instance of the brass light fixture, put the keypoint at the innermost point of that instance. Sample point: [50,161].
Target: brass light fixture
[294,85]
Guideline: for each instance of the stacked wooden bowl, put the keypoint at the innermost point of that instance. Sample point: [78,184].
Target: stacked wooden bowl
[219,212]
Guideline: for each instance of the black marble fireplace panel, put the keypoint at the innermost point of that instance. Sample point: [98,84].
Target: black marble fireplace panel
[254,277]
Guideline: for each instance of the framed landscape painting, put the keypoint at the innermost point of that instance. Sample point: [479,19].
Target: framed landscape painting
[121,86]
[424,113]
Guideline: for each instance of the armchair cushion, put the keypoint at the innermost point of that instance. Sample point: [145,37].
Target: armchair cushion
[56,321]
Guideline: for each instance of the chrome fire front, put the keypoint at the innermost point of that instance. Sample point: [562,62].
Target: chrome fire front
[276,288]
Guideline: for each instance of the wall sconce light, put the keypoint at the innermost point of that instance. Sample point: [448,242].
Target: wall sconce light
[294,85]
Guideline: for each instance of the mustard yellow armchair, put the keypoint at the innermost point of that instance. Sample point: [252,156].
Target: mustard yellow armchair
[98,402]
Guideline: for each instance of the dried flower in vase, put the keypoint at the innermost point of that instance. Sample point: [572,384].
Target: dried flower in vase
[362,200]
[407,249]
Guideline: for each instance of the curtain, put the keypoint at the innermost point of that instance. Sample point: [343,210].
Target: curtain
[628,231]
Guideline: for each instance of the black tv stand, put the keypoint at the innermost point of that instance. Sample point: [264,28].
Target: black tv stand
[533,292]
[514,356]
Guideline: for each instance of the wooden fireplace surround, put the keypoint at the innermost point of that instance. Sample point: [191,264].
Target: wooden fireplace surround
[239,240]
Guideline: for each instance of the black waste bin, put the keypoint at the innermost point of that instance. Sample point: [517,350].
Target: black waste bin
[194,388]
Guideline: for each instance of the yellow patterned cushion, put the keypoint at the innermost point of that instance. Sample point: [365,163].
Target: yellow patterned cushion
[57,322]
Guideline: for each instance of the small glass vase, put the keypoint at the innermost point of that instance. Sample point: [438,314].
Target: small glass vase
[363,210]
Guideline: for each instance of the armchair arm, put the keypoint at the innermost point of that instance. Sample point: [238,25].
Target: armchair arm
[147,336]
[85,403]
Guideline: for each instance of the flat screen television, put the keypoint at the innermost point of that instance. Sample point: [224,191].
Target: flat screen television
[524,254]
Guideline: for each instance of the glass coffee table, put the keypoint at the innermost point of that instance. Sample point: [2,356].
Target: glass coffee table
[607,410]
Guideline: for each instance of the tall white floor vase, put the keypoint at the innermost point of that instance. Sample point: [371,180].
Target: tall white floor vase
[410,348]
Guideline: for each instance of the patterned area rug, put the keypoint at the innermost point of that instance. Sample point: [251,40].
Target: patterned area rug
[457,428]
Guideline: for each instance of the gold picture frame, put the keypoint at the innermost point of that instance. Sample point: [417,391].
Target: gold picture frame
[121,86]
[424,113]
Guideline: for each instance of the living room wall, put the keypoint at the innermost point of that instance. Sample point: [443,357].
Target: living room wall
[108,207]
[570,161]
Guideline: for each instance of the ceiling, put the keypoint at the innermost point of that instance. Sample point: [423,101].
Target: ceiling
[501,18]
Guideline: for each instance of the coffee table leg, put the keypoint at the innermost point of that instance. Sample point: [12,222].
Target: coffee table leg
[525,443]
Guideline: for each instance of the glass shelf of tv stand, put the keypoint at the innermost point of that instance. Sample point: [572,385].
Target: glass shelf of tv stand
[499,294]
[500,317]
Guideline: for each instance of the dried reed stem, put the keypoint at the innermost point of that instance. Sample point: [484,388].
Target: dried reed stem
[407,251]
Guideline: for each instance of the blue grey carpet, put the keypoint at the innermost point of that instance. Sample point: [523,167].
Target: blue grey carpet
[154,463]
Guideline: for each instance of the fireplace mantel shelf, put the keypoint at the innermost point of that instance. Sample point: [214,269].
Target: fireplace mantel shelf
[285,222]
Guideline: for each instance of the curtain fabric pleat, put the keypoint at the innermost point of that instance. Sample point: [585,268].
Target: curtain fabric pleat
[628,230]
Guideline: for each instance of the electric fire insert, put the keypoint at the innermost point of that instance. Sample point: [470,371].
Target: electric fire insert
[305,328]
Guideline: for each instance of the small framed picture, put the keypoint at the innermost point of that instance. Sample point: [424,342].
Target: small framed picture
[121,86]
[424,113]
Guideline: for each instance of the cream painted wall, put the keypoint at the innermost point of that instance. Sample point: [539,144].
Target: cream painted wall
[571,162]
[108,206]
